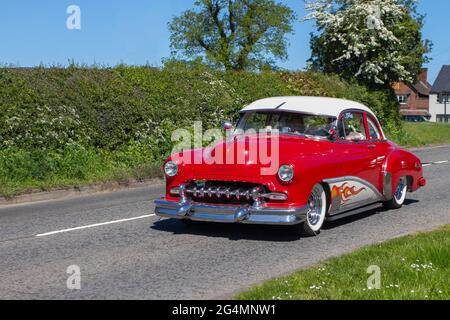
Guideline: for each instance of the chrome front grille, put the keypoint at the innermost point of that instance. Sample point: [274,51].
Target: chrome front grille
[224,192]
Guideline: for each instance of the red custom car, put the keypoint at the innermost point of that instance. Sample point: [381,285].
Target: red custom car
[332,160]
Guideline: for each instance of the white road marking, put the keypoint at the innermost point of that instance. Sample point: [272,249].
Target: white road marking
[94,225]
[434,163]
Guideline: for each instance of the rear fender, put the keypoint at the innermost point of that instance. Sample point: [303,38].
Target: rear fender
[401,163]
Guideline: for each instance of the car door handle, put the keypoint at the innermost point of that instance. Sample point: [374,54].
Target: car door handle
[372,146]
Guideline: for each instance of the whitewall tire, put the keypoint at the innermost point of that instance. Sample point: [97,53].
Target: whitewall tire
[399,195]
[316,213]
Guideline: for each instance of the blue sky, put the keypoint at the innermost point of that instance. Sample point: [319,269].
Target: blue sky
[135,32]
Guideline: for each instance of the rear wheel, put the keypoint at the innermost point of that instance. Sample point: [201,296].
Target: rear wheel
[399,196]
[316,213]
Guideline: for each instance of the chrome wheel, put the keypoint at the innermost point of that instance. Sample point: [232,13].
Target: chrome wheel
[399,195]
[315,207]
[316,212]
[401,190]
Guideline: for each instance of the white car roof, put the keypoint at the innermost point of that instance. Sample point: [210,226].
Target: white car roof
[310,105]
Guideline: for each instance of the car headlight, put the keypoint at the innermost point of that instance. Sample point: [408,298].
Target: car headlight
[286,173]
[171,169]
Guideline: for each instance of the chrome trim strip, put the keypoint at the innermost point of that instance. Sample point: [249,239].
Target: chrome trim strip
[387,186]
[351,207]
[229,213]
[387,178]
[386,162]
[349,213]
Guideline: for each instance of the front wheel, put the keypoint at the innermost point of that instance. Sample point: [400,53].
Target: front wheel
[316,213]
[400,195]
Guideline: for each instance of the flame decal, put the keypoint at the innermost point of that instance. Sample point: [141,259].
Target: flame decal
[346,192]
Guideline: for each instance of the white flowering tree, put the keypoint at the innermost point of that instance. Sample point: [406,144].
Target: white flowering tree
[375,41]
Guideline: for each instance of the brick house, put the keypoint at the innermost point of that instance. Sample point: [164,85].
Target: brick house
[414,99]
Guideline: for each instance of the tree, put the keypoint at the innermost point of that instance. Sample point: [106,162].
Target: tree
[234,34]
[375,41]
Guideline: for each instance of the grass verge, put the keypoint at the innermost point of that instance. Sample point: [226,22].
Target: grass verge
[415,267]
[425,134]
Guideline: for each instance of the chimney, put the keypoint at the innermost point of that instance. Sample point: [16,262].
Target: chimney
[423,76]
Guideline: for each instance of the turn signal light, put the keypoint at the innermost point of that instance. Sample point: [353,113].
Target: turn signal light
[275,196]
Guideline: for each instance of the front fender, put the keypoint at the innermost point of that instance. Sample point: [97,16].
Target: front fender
[312,171]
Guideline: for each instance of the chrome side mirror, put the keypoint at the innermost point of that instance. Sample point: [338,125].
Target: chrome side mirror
[227,126]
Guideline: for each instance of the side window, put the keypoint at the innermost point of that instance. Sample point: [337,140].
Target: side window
[351,127]
[373,129]
[256,120]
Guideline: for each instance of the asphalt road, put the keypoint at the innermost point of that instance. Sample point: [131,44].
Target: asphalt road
[148,258]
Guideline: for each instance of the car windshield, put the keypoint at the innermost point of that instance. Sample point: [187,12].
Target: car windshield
[286,123]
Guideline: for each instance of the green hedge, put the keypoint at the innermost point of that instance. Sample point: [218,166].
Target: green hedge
[72,122]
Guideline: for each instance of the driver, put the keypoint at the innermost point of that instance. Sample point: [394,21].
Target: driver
[297,125]
[353,134]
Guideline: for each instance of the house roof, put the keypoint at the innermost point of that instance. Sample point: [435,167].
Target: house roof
[422,88]
[442,83]
[311,105]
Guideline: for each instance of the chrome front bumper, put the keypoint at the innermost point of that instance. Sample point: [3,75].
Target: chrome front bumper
[229,214]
